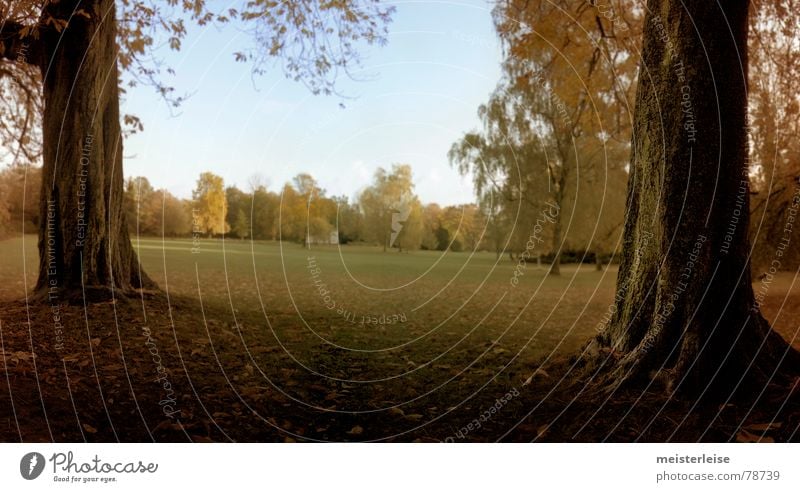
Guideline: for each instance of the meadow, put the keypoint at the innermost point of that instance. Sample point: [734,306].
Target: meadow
[363,299]
[333,342]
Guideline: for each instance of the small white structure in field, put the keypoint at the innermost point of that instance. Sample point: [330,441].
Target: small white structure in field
[332,238]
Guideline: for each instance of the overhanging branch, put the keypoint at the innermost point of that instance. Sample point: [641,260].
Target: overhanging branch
[18,43]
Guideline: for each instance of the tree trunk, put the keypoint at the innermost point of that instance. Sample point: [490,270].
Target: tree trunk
[558,197]
[555,266]
[84,247]
[685,313]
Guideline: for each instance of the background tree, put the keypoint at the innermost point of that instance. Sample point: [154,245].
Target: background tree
[240,227]
[431,223]
[596,205]
[463,227]
[774,122]
[151,212]
[210,207]
[5,216]
[510,172]
[21,184]
[407,233]
[387,205]
[137,204]
[569,75]
[175,219]
[292,219]
[238,211]
[316,222]
[497,226]
[318,230]
[263,213]
[349,221]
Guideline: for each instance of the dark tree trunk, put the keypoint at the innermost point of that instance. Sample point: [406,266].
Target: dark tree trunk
[555,266]
[559,194]
[83,236]
[686,314]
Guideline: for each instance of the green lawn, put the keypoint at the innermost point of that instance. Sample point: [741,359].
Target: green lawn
[421,304]
[367,299]
[424,302]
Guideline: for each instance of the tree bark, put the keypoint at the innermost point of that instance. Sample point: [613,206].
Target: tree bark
[85,251]
[685,313]
[559,195]
[555,266]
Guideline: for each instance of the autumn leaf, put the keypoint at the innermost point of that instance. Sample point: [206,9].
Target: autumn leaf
[538,372]
[745,436]
[763,427]
[201,439]
[396,411]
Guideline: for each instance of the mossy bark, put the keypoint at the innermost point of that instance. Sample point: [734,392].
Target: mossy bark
[685,311]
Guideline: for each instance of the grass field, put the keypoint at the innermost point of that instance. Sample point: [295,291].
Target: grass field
[365,299]
[337,343]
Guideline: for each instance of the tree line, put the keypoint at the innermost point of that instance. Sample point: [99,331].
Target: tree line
[301,211]
[387,213]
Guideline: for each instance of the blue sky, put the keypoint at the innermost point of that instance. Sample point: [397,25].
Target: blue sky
[419,94]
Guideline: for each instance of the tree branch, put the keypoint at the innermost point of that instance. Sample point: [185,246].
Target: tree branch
[18,44]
